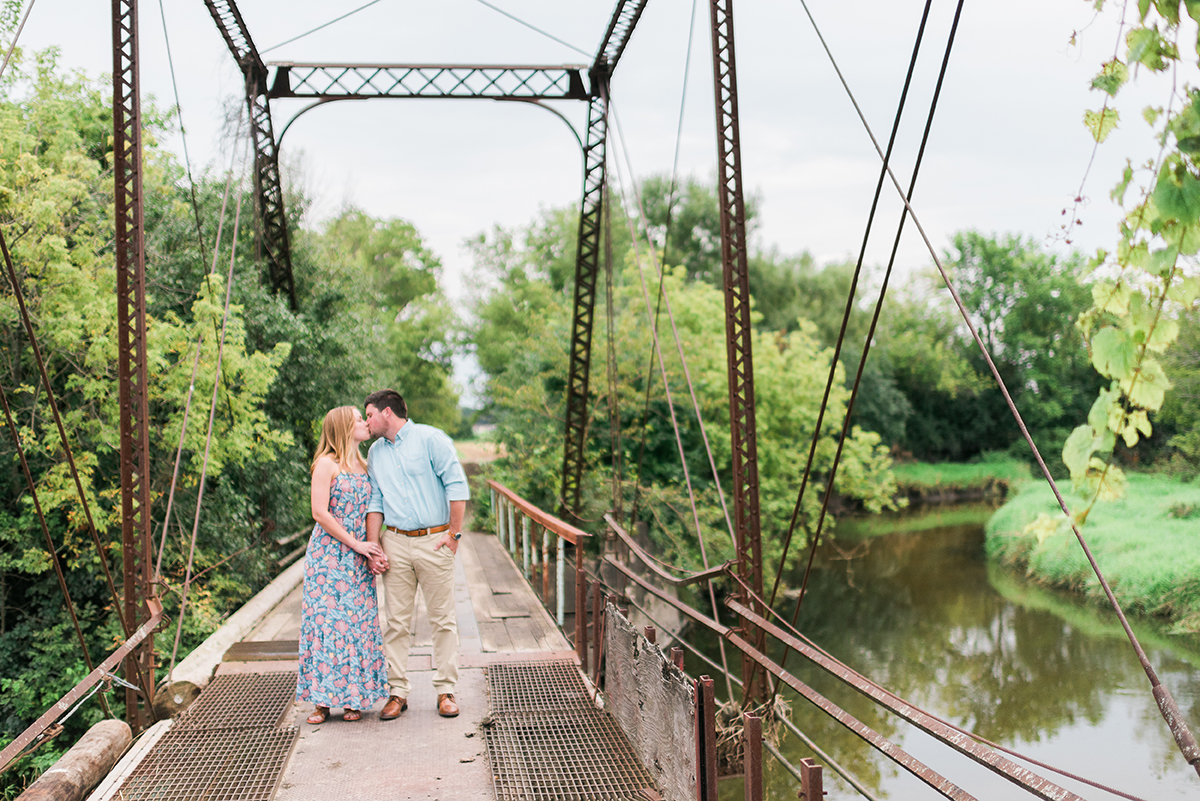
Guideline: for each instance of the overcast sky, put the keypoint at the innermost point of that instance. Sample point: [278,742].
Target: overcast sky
[1007,153]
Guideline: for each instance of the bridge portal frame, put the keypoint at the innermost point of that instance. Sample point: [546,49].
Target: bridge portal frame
[330,82]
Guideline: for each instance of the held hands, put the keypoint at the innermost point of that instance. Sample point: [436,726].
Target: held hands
[378,564]
[371,550]
[447,541]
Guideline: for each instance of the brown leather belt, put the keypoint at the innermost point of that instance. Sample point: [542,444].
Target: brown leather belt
[420,532]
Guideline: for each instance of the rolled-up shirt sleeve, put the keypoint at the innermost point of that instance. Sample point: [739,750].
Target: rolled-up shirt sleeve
[376,502]
[444,459]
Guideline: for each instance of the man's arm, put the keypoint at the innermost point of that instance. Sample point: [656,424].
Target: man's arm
[457,510]
[377,564]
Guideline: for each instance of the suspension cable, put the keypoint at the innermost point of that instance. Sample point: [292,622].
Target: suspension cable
[874,323]
[610,350]
[833,364]
[687,69]
[1166,701]
[319,27]
[16,36]
[533,27]
[187,159]
[196,363]
[660,271]
[837,350]
[27,322]
[52,553]
[187,408]
[212,412]
[670,403]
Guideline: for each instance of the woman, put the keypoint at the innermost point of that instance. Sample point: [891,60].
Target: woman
[341,648]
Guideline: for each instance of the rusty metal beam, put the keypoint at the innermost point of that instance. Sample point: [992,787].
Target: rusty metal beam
[587,263]
[677,581]
[268,182]
[736,282]
[989,758]
[76,694]
[885,746]
[459,81]
[587,252]
[624,19]
[131,354]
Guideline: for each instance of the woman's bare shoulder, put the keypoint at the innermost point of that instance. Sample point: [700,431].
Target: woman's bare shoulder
[326,468]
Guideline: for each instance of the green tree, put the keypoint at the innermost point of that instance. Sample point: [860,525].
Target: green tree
[1025,303]
[531,315]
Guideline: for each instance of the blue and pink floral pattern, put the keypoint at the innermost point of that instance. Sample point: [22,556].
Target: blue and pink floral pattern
[341,647]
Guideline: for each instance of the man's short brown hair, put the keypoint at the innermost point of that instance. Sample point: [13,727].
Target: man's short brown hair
[388,399]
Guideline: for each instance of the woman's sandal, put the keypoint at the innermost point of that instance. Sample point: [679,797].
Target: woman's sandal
[351,715]
[319,716]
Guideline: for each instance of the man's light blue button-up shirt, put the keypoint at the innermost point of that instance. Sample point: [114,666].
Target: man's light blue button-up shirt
[414,477]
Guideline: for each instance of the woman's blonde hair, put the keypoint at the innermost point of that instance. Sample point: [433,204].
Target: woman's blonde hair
[337,439]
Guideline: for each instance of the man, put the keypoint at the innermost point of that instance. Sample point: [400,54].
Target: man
[418,496]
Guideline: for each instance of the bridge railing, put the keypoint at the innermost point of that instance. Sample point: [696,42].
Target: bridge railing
[531,536]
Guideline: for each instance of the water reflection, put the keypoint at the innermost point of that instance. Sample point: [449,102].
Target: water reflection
[925,615]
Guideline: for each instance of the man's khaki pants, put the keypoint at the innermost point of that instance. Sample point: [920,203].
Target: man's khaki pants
[413,561]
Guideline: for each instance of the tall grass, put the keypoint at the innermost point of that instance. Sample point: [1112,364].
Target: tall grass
[993,471]
[1147,544]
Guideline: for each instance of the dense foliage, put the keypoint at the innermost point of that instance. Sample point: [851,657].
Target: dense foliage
[1149,284]
[371,315]
[926,392]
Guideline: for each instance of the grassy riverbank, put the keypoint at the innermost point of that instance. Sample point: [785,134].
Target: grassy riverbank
[991,477]
[1147,544]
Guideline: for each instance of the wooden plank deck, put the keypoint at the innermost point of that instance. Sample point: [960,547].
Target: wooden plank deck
[418,755]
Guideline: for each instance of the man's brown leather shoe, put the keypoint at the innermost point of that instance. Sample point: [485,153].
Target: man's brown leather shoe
[446,706]
[392,709]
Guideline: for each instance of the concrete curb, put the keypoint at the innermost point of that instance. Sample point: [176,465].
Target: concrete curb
[198,667]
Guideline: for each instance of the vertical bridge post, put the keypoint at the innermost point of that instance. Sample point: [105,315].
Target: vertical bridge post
[268,182]
[587,253]
[131,355]
[734,264]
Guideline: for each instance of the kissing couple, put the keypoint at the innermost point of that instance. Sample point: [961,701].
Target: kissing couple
[396,515]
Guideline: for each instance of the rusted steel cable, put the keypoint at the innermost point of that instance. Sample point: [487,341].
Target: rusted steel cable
[875,316]
[866,680]
[687,63]
[1166,702]
[837,350]
[676,581]
[187,408]
[196,362]
[610,350]
[27,321]
[16,36]
[874,738]
[52,552]
[671,405]
[660,271]
[187,159]
[212,413]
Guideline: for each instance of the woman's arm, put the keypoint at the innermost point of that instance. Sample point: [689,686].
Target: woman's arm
[322,476]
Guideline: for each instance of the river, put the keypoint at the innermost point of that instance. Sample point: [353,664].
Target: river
[913,603]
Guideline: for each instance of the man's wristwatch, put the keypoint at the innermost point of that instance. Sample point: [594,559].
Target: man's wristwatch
[457,536]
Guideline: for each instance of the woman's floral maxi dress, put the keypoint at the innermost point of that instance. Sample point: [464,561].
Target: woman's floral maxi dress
[341,647]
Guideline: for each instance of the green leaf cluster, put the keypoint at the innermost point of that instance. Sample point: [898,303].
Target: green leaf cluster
[1149,283]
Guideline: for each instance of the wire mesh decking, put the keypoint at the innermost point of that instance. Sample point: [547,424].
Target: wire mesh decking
[228,745]
[546,740]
